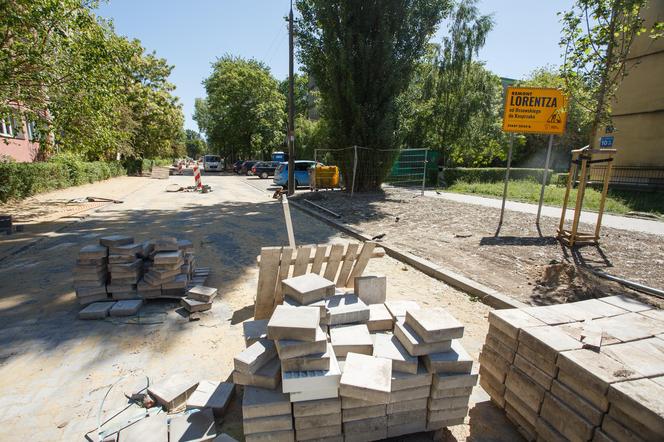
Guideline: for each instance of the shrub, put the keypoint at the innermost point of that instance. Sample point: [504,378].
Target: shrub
[491,174]
[21,180]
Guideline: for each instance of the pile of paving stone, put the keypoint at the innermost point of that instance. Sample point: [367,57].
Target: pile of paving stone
[326,366]
[117,275]
[589,370]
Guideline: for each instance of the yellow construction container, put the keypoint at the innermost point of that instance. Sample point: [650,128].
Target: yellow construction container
[324,177]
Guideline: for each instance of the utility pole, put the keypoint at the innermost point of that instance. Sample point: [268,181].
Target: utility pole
[291,107]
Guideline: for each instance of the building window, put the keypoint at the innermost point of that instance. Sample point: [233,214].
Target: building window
[6,129]
[33,133]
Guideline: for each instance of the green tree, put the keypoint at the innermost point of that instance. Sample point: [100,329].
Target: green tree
[194,143]
[306,97]
[362,55]
[597,36]
[243,114]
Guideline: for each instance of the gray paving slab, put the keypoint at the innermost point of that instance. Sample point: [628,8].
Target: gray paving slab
[629,327]
[351,338]
[318,380]
[456,360]
[359,413]
[307,288]
[405,417]
[202,293]
[549,315]
[548,341]
[434,324]
[300,323]
[533,372]
[267,424]
[213,395]
[318,421]
[290,302]
[261,402]
[414,404]
[444,381]
[150,429]
[92,251]
[127,307]
[317,407]
[645,356]
[642,400]
[389,347]
[254,330]
[223,437]
[626,303]
[570,398]
[380,318]
[404,381]
[398,308]
[172,391]
[267,376]
[409,394]
[316,361]
[115,240]
[291,348]
[414,344]
[96,310]
[252,358]
[524,388]
[367,378]
[320,434]
[565,420]
[510,321]
[345,309]
[195,427]
[192,306]
[451,393]
[372,289]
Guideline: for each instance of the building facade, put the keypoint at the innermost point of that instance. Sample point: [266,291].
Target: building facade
[18,139]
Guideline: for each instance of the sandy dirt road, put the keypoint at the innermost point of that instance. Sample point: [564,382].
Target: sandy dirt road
[55,369]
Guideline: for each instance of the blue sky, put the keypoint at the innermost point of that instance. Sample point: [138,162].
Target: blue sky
[191,34]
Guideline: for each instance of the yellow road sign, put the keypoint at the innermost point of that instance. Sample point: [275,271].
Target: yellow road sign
[535,110]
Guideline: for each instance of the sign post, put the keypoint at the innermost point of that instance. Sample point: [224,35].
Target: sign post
[507,178]
[538,111]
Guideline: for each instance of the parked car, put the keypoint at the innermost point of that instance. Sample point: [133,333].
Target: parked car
[237,166]
[264,169]
[246,167]
[212,163]
[301,173]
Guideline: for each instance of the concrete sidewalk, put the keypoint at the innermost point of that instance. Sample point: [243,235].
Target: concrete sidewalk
[614,221]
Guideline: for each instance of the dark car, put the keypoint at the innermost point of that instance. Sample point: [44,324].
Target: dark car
[264,169]
[246,167]
[237,166]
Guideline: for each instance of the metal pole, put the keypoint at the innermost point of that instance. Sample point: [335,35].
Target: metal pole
[544,177]
[424,175]
[352,187]
[507,178]
[291,107]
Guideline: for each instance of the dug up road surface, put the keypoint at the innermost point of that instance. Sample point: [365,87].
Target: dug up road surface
[55,369]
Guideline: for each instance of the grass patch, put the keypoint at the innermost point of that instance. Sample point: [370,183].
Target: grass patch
[617,201]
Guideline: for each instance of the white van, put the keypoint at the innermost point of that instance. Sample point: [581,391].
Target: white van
[212,163]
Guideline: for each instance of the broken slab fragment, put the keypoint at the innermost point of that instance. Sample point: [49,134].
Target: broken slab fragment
[254,330]
[351,338]
[195,427]
[127,307]
[372,289]
[307,288]
[255,356]
[213,395]
[172,391]
[389,347]
[398,308]
[434,324]
[380,318]
[261,402]
[345,309]
[202,293]
[294,323]
[96,310]
[291,348]
[367,378]
[414,344]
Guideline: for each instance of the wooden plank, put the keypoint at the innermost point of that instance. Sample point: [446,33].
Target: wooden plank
[302,260]
[317,265]
[379,252]
[336,253]
[347,265]
[284,268]
[361,262]
[268,271]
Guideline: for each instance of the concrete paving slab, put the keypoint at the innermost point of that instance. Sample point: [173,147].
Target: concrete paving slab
[317,421]
[351,338]
[642,400]
[575,402]
[254,330]
[409,394]
[404,429]
[372,289]
[448,403]
[317,407]
[262,402]
[549,315]
[451,393]
[223,437]
[316,361]
[345,309]
[213,395]
[617,432]
[548,341]
[434,324]
[626,303]
[115,240]
[645,356]
[267,376]
[414,404]
[510,321]
[355,428]
[367,378]
[172,391]
[150,429]
[565,420]
[290,302]
[405,417]
[405,381]
[444,381]
[271,436]
[320,433]
[300,324]
[380,318]
[359,413]
[414,344]
[527,390]
[192,306]
[300,381]
[291,348]
[629,327]
[398,308]
[127,307]
[92,251]
[457,360]
[255,356]
[443,415]
[96,310]
[202,293]
[267,424]
[533,372]
[195,427]
[389,347]
[314,395]
[534,357]
[307,288]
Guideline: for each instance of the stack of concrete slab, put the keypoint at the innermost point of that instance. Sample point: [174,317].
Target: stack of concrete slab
[125,269]
[198,298]
[267,415]
[590,370]
[90,274]
[258,365]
